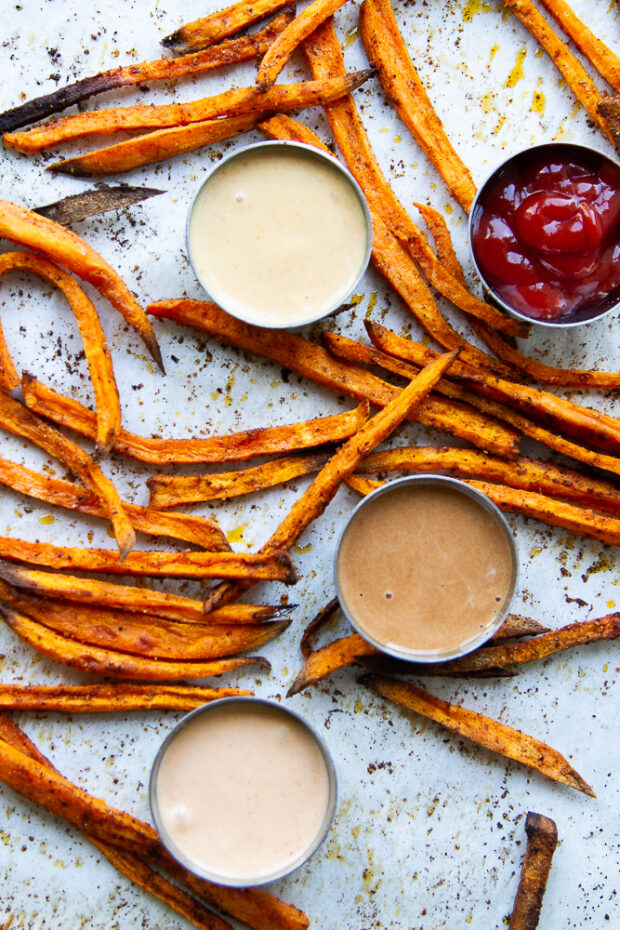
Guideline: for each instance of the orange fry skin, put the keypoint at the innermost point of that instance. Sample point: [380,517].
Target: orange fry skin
[204,32]
[542,838]
[120,697]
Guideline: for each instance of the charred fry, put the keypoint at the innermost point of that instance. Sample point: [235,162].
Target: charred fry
[78,207]
[496,736]
[542,838]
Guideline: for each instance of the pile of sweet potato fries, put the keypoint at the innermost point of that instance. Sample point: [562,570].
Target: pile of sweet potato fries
[487,398]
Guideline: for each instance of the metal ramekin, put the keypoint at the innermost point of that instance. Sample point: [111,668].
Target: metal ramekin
[313,153]
[588,315]
[223,878]
[469,645]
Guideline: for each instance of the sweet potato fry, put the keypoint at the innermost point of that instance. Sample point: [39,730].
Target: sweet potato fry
[113,664]
[275,566]
[202,33]
[93,338]
[245,101]
[325,614]
[281,50]
[314,362]
[525,473]
[606,62]
[493,735]
[78,207]
[388,53]
[325,58]
[197,530]
[171,490]
[542,838]
[231,447]
[63,246]
[569,67]
[282,126]
[15,418]
[110,699]
[582,422]
[153,146]
[43,586]
[609,108]
[234,51]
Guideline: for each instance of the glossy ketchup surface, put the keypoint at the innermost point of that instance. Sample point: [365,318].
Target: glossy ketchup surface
[546,233]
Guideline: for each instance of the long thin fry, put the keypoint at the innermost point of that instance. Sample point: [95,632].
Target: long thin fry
[275,566]
[579,520]
[99,661]
[325,58]
[294,34]
[172,490]
[584,423]
[63,246]
[230,447]
[569,67]
[243,101]
[388,53]
[193,529]
[93,338]
[314,362]
[109,699]
[233,51]
[120,597]
[153,147]
[493,735]
[15,418]
[78,207]
[542,838]
[202,33]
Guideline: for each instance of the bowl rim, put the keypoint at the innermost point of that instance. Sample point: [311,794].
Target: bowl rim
[320,155]
[490,292]
[291,865]
[427,656]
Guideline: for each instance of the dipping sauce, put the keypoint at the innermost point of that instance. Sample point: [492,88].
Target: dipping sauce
[424,570]
[279,234]
[242,792]
[545,233]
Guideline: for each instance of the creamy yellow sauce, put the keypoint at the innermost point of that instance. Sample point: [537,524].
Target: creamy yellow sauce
[278,236]
[243,791]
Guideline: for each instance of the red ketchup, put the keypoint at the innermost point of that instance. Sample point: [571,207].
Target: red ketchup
[546,233]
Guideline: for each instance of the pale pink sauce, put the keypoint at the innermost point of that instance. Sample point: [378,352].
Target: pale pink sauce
[243,791]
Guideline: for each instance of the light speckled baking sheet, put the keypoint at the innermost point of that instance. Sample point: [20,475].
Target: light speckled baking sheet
[429,831]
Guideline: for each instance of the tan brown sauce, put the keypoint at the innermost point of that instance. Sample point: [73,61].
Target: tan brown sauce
[424,569]
[242,791]
[278,236]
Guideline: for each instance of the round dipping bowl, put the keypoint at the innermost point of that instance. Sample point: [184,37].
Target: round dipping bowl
[279,234]
[572,251]
[426,568]
[242,791]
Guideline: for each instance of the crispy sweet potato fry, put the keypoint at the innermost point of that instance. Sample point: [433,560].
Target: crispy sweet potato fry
[542,838]
[388,53]
[204,32]
[569,67]
[243,48]
[244,101]
[153,146]
[15,418]
[282,126]
[113,664]
[255,907]
[78,207]
[274,566]
[63,246]
[192,529]
[583,422]
[231,447]
[525,473]
[493,735]
[95,346]
[171,490]
[606,62]
[109,699]
[317,623]
[119,597]
[315,363]
[609,108]
[325,57]
[281,50]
